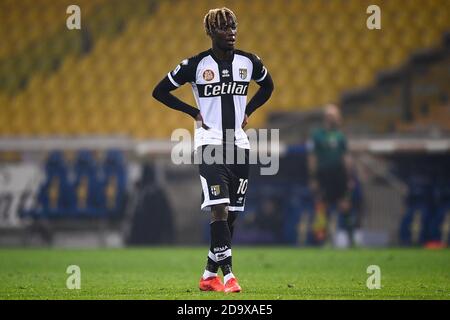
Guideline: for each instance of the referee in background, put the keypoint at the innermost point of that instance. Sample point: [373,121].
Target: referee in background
[330,169]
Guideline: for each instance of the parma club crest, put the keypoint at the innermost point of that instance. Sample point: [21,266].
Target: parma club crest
[215,190]
[243,73]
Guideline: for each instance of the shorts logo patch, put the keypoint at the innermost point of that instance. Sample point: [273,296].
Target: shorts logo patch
[208,75]
[243,73]
[215,190]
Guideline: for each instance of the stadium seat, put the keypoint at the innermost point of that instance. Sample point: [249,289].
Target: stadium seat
[86,185]
[113,184]
[56,197]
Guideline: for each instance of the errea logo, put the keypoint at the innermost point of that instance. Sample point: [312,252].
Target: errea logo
[225,73]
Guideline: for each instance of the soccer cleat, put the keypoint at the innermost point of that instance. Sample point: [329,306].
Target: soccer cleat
[232,286]
[211,284]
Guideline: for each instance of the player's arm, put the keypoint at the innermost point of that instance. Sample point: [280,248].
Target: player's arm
[261,96]
[184,72]
[349,165]
[262,77]
[162,93]
[312,164]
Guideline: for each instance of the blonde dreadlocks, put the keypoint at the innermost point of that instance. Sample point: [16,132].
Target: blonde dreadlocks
[212,19]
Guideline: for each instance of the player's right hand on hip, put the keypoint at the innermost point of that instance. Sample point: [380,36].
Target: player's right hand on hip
[245,122]
[199,120]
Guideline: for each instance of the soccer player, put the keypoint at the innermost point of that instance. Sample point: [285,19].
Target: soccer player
[220,78]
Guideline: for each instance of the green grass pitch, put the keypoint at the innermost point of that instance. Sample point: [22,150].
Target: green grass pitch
[263,272]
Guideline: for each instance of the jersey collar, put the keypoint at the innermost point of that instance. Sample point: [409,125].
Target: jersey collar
[211,52]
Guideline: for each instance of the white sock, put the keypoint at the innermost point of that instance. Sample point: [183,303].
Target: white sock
[208,274]
[228,277]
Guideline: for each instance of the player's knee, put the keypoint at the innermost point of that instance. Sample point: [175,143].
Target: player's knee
[219,212]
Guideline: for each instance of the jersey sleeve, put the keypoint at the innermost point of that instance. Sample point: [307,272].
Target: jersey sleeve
[184,72]
[259,70]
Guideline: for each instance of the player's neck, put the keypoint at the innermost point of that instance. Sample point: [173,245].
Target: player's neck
[223,55]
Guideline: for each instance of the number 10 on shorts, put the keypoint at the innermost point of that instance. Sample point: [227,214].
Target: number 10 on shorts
[243,183]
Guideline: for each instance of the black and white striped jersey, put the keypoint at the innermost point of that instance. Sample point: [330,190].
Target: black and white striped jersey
[220,90]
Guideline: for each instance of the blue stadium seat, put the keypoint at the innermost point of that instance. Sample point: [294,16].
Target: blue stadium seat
[113,184]
[55,197]
[86,186]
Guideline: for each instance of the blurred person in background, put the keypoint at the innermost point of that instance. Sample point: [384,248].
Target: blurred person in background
[331,173]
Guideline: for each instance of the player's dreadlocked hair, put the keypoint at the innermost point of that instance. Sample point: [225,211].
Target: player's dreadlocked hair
[212,18]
